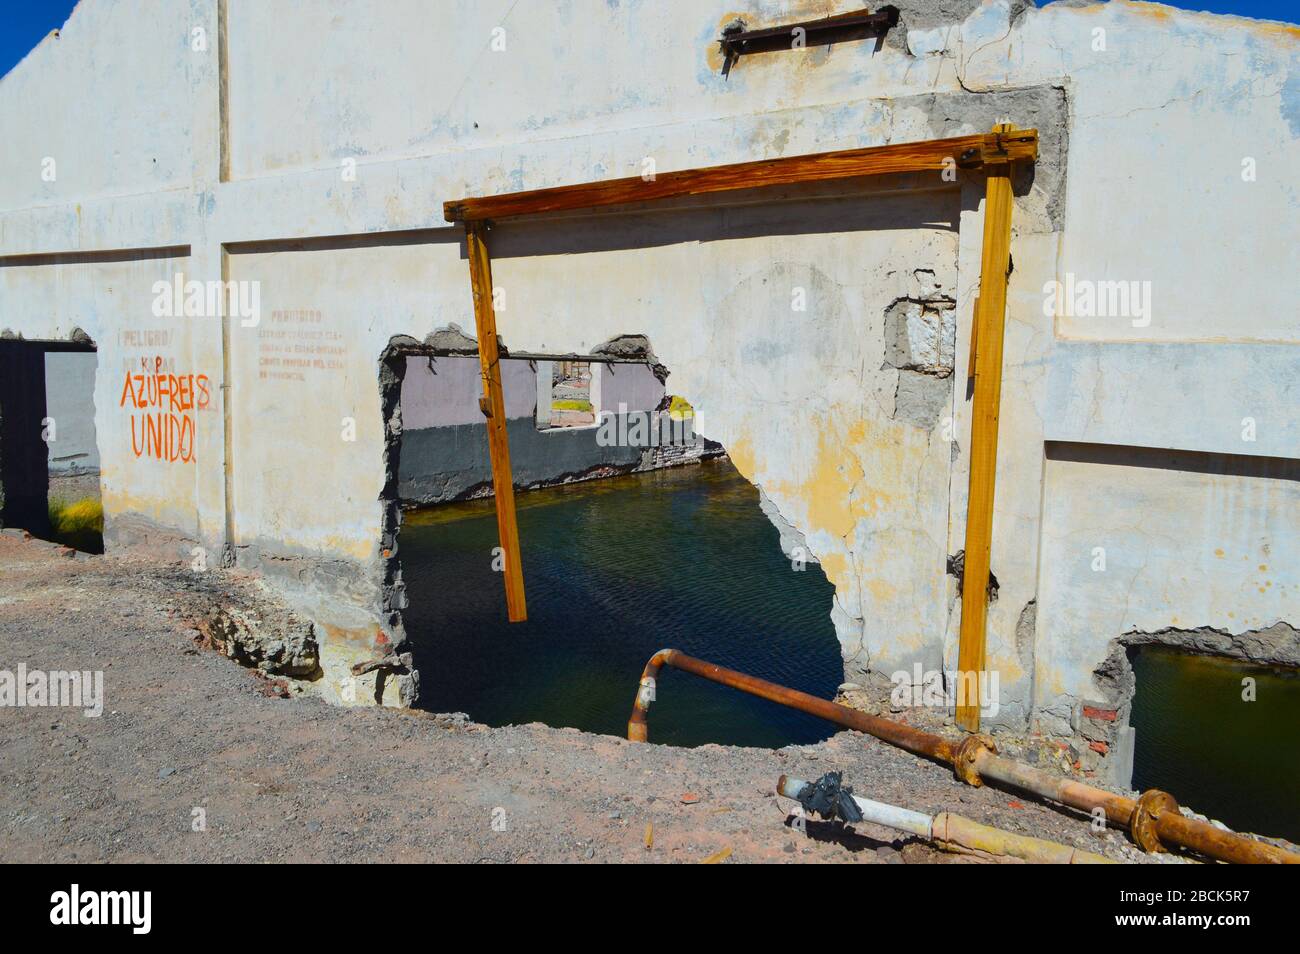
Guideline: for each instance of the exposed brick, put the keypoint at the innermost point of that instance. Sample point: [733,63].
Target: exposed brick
[1106,715]
[1101,747]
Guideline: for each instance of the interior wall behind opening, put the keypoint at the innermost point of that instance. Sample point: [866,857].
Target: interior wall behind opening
[567,421]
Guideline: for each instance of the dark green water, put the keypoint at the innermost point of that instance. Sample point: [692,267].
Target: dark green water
[1235,761]
[616,570]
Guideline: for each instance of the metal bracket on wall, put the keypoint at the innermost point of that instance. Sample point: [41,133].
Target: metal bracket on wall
[859,25]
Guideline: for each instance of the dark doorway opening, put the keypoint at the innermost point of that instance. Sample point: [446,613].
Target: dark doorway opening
[49,456]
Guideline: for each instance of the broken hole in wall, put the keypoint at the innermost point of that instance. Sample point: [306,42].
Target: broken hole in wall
[1206,715]
[920,342]
[567,420]
[631,541]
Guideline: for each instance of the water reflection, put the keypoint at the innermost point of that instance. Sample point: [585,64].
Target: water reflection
[617,569]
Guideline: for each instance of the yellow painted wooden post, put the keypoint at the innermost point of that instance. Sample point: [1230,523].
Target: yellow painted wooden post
[494,406]
[990,318]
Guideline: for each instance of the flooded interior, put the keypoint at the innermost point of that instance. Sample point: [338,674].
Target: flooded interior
[618,569]
[1237,761]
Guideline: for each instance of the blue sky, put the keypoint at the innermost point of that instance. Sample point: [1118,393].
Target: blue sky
[24,22]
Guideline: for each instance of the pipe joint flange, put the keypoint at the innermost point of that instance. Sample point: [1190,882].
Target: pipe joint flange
[1151,804]
[964,761]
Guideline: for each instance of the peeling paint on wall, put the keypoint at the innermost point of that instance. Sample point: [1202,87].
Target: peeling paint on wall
[850,415]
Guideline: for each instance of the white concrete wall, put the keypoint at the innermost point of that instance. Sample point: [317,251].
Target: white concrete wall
[634,386]
[1136,541]
[84,119]
[1160,125]
[444,391]
[70,405]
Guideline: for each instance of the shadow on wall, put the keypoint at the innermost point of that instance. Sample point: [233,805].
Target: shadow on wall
[849,205]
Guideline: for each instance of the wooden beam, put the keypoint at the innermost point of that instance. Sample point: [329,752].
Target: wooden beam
[990,319]
[494,406]
[994,152]
[967,152]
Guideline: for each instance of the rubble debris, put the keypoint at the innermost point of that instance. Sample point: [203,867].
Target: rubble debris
[284,646]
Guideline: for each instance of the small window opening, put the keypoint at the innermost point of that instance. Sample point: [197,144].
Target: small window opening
[573,397]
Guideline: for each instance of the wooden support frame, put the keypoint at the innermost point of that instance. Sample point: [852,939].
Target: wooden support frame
[994,152]
[986,361]
[493,405]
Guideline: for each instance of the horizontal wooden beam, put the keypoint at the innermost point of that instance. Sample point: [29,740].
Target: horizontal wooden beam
[967,152]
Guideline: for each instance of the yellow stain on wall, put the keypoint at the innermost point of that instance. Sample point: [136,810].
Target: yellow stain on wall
[882,590]
[836,567]
[741,452]
[863,471]
[836,471]
[837,490]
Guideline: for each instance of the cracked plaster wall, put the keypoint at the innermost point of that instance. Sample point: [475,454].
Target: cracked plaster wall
[1137,542]
[1155,130]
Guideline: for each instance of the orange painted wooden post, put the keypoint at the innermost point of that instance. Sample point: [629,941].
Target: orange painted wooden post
[990,318]
[494,406]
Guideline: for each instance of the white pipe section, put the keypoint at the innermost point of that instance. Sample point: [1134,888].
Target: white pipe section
[891,816]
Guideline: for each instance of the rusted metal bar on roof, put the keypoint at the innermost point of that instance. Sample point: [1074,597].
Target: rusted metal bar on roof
[931,155]
[418,349]
[1153,820]
[858,25]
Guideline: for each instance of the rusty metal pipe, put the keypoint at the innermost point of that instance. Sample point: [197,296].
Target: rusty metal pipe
[956,833]
[904,736]
[1168,825]
[1153,820]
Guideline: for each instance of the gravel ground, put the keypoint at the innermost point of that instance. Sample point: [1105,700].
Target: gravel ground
[185,729]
